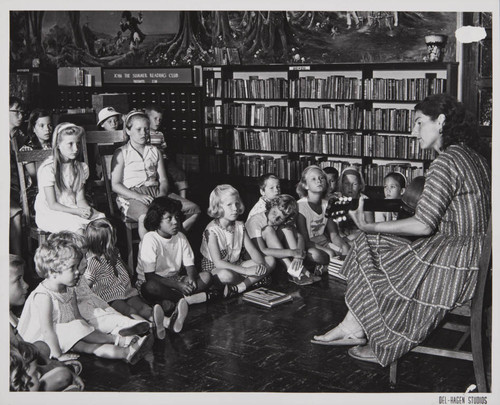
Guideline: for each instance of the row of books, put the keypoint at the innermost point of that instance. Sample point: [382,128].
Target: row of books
[402,89]
[251,88]
[265,297]
[283,167]
[330,143]
[249,115]
[334,87]
[388,119]
[374,174]
[334,267]
[339,116]
[393,146]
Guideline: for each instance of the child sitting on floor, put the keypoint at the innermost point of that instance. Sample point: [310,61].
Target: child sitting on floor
[108,277]
[163,253]
[269,186]
[225,242]
[394,188]
[318,231]
[51,312]
[93,308]
[332,180]
[274,229]
[55,375]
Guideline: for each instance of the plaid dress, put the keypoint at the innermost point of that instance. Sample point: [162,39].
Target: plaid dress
[400,290]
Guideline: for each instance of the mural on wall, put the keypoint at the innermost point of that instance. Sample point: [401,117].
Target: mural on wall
[166,38]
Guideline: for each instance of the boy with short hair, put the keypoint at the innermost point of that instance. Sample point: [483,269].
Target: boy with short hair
[269,186]
[332,180]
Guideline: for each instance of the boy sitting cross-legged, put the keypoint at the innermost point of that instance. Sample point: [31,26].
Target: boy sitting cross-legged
[269,186]
[275,234]
[163,253]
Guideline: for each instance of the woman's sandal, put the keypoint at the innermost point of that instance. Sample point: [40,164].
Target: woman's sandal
[349,339]
[356,353]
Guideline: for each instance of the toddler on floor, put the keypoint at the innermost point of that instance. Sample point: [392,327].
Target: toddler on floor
[108,277]
[269,186]
[51,312]
[60,204]
[225,242]
[163,253]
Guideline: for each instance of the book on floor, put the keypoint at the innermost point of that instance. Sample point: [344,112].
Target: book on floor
[334,268]
[266,297]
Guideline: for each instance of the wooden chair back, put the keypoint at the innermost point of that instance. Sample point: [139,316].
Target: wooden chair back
[106,155]
[105,137]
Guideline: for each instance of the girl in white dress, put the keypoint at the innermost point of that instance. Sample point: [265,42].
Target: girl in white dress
[60,204]
[51,313]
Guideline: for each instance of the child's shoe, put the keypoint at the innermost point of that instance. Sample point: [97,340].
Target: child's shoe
[263,282]
[213,295]
[138,349]
[230,290]
[125,341]
[158,316]
[179,316]
[320,269]
[140,328]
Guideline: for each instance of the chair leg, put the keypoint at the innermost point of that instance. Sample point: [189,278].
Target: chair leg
[130,247]
[477,349]
[393,374]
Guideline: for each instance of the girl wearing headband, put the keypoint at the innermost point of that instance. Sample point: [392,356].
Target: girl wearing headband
[60,204]
[138,173]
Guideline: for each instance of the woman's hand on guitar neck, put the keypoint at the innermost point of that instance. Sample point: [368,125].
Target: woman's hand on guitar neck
[358,216]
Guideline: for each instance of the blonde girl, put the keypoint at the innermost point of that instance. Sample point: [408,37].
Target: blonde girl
[51,314]
[138,172]
[225,242]
[319,232]
[60,204]
[107,276]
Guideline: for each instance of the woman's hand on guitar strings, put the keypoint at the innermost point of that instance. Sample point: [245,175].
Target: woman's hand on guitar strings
[358,216]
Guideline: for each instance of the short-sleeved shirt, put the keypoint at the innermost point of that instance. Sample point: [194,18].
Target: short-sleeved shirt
[46,178]
[230,241]
[140,170]
[260,206]
[255,224]
[315,222]
[167,255]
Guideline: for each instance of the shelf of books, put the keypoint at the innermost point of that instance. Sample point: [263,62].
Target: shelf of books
[281,118]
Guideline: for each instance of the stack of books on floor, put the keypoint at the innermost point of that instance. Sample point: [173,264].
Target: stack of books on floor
[334,268]
[266,297]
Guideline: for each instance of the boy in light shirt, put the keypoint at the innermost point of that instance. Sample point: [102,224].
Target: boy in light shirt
[269,186]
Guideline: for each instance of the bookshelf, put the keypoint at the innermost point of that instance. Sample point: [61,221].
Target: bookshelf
[282,118]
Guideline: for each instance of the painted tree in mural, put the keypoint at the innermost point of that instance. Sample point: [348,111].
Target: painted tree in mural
[220,27]
[35,22]
[271,32]
[76,29]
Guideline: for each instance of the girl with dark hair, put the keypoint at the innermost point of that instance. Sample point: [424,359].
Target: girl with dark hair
[398,290]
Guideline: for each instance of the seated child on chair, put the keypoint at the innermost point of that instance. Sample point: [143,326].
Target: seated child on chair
[51,312]
[269,186]
[108,277]
[55,375]
[163,253]
[225,242]
[175,174]
[108,119]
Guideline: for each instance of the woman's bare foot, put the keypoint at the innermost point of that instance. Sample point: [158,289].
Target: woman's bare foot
[341,331]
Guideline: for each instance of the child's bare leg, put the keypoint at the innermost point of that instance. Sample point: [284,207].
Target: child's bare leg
[225,276]
[272,241]
[189,222]
[318,255]
[56,379]
[141,229]
[99,338]
[122,307]
[104,350]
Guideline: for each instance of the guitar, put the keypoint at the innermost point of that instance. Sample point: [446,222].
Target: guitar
[337,209]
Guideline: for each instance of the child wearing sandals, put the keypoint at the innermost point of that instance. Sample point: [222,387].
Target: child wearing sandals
[163,253]
[274,229]
[320,233]
[53,374]
[108,277]
[51,312]
[225,242]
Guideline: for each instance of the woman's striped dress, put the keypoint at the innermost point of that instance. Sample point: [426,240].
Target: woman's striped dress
[400,290]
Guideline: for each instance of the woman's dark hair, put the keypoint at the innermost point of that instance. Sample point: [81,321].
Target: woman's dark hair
[35,114]
[459,126]
[159,207]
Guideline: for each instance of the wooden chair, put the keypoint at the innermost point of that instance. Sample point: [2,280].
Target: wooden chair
[473,312]
[106,154]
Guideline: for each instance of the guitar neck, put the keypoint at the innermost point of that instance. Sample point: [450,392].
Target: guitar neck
[378,205]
